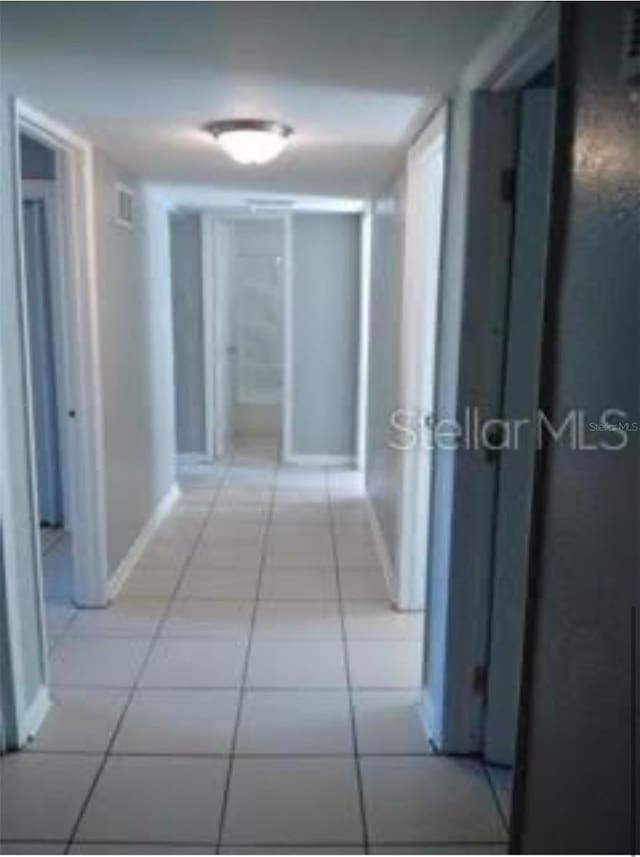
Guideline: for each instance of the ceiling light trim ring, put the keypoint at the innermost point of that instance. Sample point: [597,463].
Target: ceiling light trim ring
[268,126]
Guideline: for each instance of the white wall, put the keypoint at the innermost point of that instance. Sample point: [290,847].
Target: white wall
[325,299]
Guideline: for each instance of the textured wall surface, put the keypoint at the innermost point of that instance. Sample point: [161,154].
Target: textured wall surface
[576,794]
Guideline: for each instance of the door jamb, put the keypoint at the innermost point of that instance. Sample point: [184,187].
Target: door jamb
[78,282]
[414,496]
[46,191]
[210,286]
[521,46]
[287,344]
[209,338]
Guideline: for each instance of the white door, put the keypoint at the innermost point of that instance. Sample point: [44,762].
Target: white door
[520,396]
[43,362]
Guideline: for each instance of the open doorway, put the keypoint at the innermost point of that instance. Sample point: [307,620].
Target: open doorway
[245,267]
[40,200]
[251,334]
[54,218]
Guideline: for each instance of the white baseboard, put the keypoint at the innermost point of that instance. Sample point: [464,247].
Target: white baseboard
[313,460]
[382,549]
[134,553]
[34,715]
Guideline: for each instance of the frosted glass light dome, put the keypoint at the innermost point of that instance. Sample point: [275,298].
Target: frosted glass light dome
[251,141]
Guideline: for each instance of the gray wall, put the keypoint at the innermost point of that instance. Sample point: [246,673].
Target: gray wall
[188,333]
[326,282]
[136,474]
[382,469]
[576,759]
[36,161]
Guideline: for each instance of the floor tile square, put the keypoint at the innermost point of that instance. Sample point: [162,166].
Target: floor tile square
[298,620]
[229,533]
[98,661]
[296,664]
[153,799]
[280,584]
[208,618]
[476,848]
[280,801]
[130,848]
[80,720]
[178,722]
[33,804]
[388,721]
[385,664]
[291,849]
[293,556]
[428,799]
[217,555]
[165,553]
[151,582]
[363,585]
[377,620]
[357,554]
[191,663]
[125,617]
[298,722]
[58,618]
[233,584]
[185,529]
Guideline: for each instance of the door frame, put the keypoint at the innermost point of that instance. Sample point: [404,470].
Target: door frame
[418,352]
[476,261]
[75,276]
[46,192]
[211,286]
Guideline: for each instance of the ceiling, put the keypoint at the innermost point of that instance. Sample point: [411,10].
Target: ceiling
[140,78]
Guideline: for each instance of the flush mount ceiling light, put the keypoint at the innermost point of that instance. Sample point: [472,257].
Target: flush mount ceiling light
[250,141]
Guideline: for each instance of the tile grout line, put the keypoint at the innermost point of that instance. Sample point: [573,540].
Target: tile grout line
[354,734]
[245,671]
[132,690]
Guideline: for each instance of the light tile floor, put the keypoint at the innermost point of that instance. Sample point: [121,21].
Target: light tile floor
[251,690]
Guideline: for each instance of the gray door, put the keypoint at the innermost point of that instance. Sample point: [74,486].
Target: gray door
[520,397]
[43,369]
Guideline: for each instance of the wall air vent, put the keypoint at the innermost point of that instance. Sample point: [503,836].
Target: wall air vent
[125,207]
[631,49]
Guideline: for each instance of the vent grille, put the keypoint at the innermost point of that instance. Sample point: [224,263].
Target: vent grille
[631,51]
[125,206]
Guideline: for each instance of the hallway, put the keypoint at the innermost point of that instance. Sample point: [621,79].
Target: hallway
[250,688]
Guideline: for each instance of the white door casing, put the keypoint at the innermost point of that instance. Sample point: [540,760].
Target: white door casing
[422,253]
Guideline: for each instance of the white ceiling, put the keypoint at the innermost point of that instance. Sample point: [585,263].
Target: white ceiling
[140,78]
